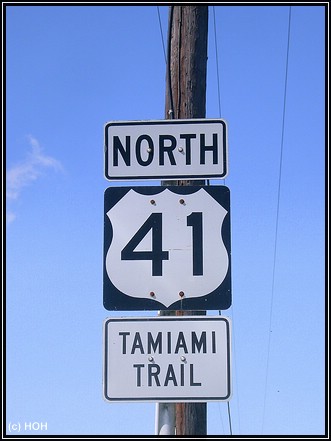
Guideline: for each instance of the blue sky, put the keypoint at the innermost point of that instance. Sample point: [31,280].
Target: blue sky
[70,70]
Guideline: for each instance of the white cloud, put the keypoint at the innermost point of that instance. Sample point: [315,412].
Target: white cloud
[10,217]
[28,171]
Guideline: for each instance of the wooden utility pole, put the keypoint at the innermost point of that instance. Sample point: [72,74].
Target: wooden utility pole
[186,99]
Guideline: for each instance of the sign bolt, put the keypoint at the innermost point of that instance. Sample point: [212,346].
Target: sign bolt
[180,149]
[181,201]
[150,359]
[181,293]
[152,202]
[152,294]
[183,358]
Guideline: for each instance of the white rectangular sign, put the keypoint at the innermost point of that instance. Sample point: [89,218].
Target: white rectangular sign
[166,149]
[167,359]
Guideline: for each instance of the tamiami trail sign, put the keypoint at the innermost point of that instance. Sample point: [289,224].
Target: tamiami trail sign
[167,359]
[166,149]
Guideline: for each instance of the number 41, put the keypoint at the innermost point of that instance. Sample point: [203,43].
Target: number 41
[157,254]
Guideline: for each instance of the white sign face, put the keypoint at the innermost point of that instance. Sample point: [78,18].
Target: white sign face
[168,359]
[169,246]
[166,149]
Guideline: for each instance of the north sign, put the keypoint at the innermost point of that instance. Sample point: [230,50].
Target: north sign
[167,247]
[167,359]
[166,149]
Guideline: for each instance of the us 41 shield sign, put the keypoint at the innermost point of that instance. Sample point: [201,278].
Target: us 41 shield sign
[167,248]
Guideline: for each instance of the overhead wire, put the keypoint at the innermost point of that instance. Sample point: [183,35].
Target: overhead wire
[277,216]
[169,84]
[217,69]
[220,115]
[167,57]
[162,38]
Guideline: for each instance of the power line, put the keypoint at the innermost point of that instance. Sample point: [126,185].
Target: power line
[235,371]
[171,110]
[228,405]
[229,414]
[220,115]
[162,38]
[217,70]
[277,215]
[167,57]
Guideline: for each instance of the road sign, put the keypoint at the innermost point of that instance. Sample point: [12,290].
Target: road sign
[167,248]
[167,359]
[166,149]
